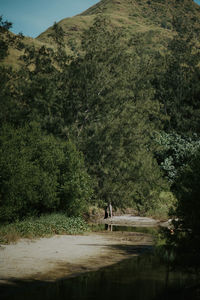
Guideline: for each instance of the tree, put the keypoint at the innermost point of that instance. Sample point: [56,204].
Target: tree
[114,115]
[186,239]
[177,86]
[5,37]
[38,89]
[75,183]
[104,101]
[10,111]
[40,174]
[175,152]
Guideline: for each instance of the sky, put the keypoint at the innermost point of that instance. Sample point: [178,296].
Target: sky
[32,17]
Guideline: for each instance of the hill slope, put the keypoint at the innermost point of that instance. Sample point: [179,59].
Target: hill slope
[153,18]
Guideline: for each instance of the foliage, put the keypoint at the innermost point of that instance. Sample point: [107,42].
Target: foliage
[57,35]
[178,80]
[7,39]
[178,90]
[175,152]
[38,89]
[40,174]
[46,225]
[130,17]
[101,108]
[115,115]
[75,183]
[4,31]
[186,238]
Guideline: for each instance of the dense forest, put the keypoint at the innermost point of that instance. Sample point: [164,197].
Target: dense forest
[116,121]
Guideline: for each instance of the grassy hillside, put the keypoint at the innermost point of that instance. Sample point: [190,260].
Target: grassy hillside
[152,17]
[13,59]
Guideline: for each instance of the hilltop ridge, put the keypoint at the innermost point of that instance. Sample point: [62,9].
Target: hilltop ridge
[154,17]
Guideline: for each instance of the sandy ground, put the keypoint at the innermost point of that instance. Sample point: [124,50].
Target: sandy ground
[63,256]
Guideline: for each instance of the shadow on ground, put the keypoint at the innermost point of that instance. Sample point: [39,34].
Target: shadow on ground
[21,289]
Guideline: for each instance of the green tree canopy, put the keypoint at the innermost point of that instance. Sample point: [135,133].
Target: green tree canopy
[186,239]
[39,174]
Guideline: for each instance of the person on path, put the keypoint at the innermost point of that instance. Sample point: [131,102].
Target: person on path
[110,209]
[106,212]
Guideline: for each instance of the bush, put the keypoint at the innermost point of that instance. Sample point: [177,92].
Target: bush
[186,238]
[75,183]
[46,225]
[40,174]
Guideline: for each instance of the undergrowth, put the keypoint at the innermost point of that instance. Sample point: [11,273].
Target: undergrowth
[45,225]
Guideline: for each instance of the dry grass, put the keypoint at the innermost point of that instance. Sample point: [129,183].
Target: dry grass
[132,16]
[9,237]
[14,54]
[153,18]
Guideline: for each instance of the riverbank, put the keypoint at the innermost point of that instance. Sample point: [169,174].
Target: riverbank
[63,256]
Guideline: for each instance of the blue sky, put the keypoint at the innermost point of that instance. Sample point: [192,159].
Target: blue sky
[31,17]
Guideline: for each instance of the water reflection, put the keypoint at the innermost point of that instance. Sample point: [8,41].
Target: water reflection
[106,227]
[141,278]
[109,227]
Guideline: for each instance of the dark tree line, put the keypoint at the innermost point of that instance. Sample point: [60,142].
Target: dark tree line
[178,89]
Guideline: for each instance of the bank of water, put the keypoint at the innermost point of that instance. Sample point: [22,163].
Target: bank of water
[142,278]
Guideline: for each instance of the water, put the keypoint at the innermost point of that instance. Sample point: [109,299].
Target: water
[105,227]
[140,278]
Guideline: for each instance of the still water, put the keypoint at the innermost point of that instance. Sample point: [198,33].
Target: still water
[140,278]
[105,227]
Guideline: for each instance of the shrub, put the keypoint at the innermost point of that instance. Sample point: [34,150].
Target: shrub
[46,225]
[40,174]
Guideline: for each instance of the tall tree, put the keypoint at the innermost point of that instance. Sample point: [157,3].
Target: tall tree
[186,238]
[178,88]
[114,116]
[40,174]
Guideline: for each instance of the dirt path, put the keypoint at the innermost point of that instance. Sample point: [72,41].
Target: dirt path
[65,255]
